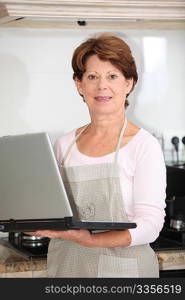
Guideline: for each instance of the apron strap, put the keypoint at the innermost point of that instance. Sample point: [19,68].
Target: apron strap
[117,147]
[72,143]
[120,140]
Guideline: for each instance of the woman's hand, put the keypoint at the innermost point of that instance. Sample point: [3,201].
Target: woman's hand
[81,236]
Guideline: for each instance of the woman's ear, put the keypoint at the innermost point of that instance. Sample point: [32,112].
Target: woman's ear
[130,83]
[78,84]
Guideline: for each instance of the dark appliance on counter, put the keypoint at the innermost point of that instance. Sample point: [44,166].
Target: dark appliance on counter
[172,236]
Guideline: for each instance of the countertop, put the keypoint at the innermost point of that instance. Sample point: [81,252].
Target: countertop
[12,261]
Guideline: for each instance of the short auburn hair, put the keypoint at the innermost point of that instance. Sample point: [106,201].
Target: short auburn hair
[107,47]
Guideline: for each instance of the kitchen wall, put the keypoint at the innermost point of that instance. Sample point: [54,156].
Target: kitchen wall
[37,92]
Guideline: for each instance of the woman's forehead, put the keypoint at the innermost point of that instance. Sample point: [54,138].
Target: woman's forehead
[95,64]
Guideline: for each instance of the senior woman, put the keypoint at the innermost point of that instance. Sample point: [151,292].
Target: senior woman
[113,170]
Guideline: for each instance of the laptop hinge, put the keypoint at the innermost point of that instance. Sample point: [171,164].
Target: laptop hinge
[71,223]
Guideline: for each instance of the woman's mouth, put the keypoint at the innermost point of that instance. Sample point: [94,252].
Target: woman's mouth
[103,98]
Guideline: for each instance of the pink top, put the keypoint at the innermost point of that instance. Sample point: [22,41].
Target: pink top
[142,178]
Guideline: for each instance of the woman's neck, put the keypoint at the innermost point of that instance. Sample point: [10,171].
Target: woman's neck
[103,125]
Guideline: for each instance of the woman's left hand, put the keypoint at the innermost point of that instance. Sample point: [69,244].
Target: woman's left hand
[81,236]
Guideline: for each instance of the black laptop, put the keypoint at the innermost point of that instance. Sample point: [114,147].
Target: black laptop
[32,193]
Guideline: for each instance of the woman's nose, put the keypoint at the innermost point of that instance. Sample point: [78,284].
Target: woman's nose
[102,83]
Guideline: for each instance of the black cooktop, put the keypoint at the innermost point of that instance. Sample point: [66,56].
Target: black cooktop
[37,252]
[165,244]
[33,252]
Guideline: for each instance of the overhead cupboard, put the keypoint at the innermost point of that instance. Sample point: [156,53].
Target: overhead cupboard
[97,13]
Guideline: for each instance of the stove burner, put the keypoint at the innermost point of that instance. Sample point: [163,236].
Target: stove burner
[31,246]
[32,252]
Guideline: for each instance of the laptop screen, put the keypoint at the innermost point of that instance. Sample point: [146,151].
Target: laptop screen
[30,182]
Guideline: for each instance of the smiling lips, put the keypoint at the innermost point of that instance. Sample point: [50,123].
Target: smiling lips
[103,98]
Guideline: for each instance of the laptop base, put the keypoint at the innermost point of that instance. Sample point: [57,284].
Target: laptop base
[66,223]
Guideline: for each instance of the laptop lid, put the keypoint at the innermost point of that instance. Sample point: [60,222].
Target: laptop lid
[30,182]
[32,193]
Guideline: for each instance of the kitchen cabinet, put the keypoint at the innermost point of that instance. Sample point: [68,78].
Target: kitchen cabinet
[97,13]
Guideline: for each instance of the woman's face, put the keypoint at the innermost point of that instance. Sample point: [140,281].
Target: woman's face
[103,86]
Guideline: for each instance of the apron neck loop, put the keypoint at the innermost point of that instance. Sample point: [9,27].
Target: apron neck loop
[117,147]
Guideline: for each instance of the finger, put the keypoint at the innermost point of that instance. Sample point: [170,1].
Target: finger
[46,232]
[31,233]
[50,233]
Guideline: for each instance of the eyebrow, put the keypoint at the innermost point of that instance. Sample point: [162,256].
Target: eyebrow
[114,70]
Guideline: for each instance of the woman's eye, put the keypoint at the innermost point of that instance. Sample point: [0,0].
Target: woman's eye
[113,76]
[91,76]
